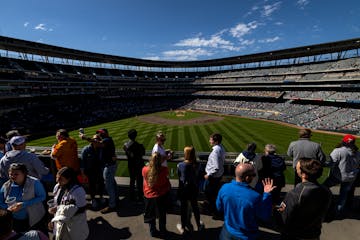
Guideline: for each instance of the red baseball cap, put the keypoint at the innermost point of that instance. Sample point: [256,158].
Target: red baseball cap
[102,131]
[349,138]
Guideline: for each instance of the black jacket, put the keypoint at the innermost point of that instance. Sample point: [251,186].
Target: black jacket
[306,208]
[134,152]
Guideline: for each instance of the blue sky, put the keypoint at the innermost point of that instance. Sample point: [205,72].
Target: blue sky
[180,30]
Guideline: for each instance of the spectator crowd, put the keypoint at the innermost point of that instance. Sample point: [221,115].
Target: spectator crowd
[253,197]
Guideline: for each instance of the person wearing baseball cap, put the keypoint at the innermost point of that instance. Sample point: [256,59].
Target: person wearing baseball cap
[345,161]
[108,159]
[17,140]
[103,132]
[18,154]
[348,138]
[9,135]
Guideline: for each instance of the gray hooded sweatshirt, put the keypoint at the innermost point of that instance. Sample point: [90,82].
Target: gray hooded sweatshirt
[34,165]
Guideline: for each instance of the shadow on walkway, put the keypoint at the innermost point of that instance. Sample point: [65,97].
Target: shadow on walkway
[102,229]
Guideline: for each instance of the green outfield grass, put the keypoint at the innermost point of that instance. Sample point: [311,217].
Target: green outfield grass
[236,132]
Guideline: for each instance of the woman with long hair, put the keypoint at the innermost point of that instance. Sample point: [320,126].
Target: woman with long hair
[156,189]
[69,207]
[188,172]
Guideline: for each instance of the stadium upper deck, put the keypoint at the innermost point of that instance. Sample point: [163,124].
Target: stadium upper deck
[312,53]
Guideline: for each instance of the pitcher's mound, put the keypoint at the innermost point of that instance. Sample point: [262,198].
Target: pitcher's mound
[164,121]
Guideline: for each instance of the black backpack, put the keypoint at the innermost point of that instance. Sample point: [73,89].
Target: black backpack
[135,152]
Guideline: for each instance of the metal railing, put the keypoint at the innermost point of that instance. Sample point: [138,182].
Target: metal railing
[178,155]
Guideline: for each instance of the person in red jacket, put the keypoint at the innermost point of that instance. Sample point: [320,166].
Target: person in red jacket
[156,190]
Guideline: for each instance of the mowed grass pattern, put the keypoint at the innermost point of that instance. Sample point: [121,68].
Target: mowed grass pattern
[237,133]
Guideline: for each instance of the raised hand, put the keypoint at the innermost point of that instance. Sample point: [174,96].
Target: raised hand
[268,185]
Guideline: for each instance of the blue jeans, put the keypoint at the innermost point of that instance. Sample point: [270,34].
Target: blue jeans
[110,184]
[345,188]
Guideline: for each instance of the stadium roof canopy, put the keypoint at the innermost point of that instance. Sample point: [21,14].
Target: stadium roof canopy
[28,47]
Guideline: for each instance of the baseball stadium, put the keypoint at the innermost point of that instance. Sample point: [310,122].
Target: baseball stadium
[263,98]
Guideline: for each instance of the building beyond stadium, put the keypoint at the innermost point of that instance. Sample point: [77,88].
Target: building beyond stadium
[44,87]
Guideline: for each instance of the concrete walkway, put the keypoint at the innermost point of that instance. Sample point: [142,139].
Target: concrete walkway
[127,222]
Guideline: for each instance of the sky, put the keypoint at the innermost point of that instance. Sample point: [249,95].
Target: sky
[180,30]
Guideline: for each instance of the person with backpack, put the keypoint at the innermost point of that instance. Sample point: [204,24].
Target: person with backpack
[273,167]
[249,156]
[345,163]
[135,152]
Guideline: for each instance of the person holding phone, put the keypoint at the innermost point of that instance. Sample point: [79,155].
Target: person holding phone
[304,208]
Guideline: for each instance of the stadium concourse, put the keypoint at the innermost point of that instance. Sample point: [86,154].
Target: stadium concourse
[127,222]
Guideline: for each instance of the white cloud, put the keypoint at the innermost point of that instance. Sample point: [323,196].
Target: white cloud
[215,41]
[40,40]
[243,28]
[40,26]
[269,40]
[302,3]
[154,58]
[231,48]
[245,42]
[26,24]
[279,23]
[186,55]
[269,9]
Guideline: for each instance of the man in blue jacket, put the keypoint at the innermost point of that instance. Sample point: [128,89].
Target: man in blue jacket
[242,205]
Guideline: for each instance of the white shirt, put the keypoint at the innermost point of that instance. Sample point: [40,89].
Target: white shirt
[162,152]
[215,164]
